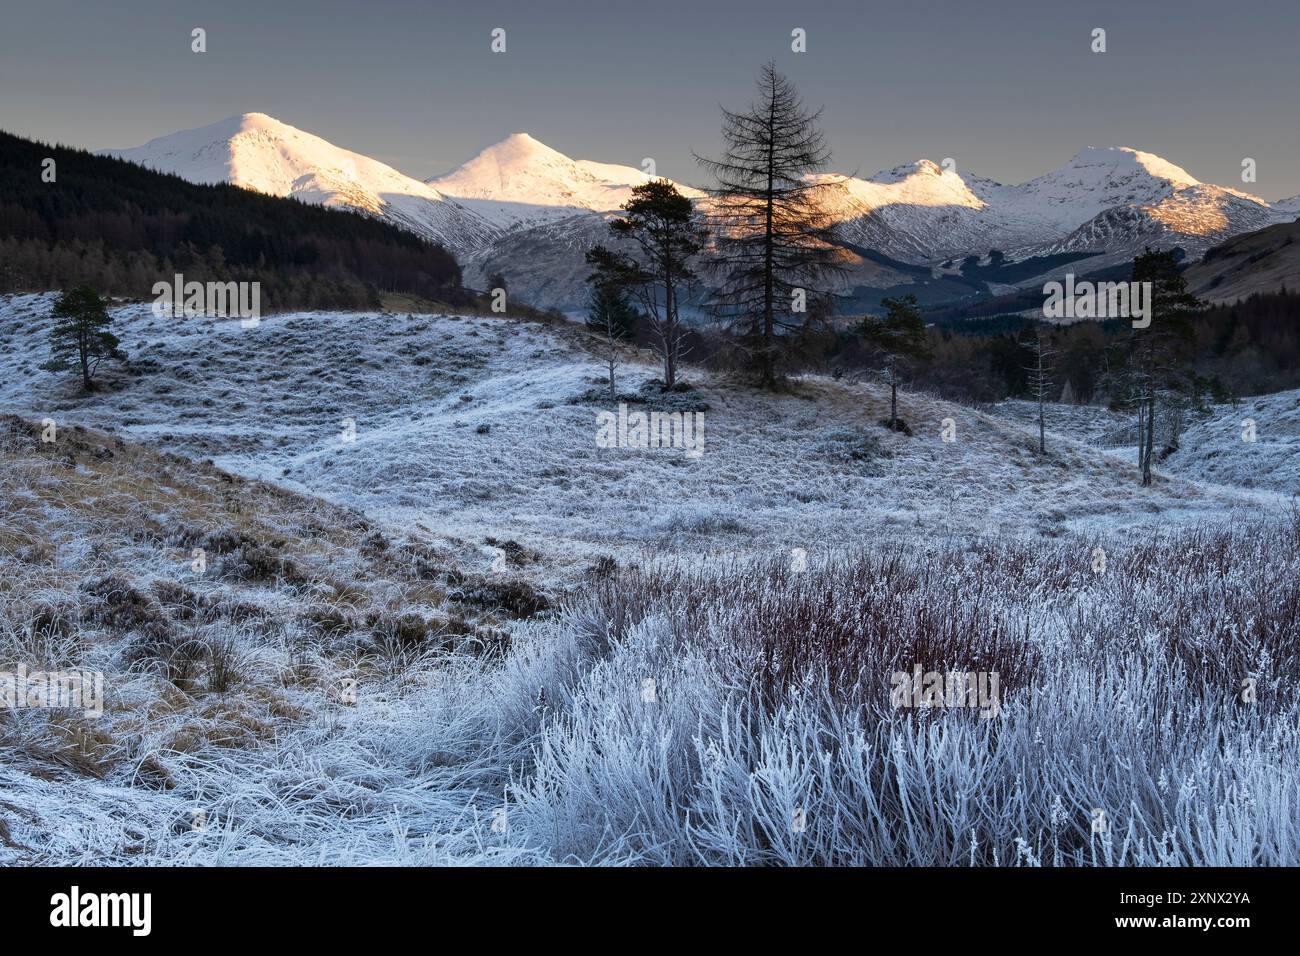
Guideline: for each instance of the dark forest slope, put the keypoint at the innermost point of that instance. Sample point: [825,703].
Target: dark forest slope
[122,228]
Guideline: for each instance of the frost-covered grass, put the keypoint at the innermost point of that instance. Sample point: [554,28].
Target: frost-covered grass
[1254,443]
[293,598]
[1121,692]
[500,590]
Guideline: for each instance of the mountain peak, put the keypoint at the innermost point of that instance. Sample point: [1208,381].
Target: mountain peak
[523,140]
[229,128]
[521,148]
[1127,160]
[922,167]
[258,120]
[521,180]
[259,152]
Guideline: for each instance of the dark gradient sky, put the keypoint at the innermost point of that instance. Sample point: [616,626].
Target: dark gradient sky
[1007,88]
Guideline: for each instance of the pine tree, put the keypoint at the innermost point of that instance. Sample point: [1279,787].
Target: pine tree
[81,338]
[898,338]
[1152,372]
[773,248]
[613,318]
[610,312]
[666,236]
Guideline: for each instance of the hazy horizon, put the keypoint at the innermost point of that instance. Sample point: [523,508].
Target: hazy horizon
[1008,94]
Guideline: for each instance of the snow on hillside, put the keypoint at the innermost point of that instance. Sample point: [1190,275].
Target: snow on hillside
[1194,218]
[1095,179]
[521,182]
[259,152]
[915,212]
[476,428]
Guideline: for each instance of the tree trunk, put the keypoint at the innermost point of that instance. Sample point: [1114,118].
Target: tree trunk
[1150,439]
[1042,429]
[83,349]
[670,328]
[769,364]
[1141,435]
[1042,387]
[613,391]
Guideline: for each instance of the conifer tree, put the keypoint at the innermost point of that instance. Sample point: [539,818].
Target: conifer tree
[81,337]
[898,338]
[613,319]
[666,236]
[1152,372]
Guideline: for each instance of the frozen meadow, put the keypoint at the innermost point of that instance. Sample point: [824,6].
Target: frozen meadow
[468,428]
[439,624]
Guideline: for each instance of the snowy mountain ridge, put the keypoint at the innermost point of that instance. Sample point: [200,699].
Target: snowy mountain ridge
[921,212]
[521,196]
[259,152]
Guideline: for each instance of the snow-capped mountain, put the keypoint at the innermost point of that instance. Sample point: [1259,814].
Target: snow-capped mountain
[259,152]
[1103,200]
[521,182]
[1101,207]
[1194,218]
[528,211]
[916,212]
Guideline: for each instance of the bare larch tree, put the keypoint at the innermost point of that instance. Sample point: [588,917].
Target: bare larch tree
[1041,365]
[773,248]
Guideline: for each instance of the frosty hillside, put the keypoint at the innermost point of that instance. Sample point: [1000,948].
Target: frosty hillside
[806,463]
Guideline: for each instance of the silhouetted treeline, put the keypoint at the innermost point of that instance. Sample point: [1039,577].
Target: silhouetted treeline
[121,228]
[1249,348]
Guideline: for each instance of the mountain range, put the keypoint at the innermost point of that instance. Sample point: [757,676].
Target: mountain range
[529,212]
